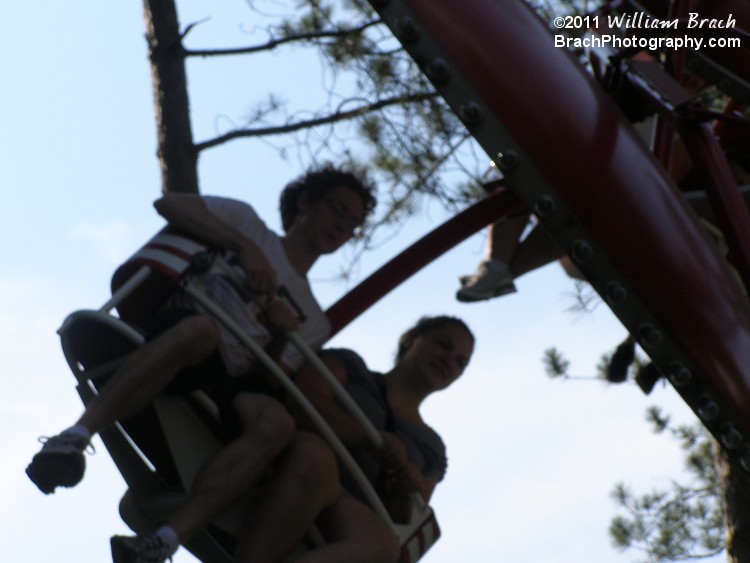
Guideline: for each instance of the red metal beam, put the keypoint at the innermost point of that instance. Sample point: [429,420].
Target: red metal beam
[496,205]
[603,173]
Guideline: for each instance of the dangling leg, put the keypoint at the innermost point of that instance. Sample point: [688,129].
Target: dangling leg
[493,277]
[534,251]
[354,533]
[266,429]
[129,389]
[304,482]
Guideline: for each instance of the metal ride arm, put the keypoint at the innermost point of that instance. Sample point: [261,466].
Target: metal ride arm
[193,289]
[372,433]
[677,111]
[570,155]
[499,204]
[423,530]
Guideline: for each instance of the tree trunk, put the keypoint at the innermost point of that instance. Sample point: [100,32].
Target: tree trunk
[735,490]
[177,155]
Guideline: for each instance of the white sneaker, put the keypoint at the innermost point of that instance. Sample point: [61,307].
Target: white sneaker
[60,463]
[492,279]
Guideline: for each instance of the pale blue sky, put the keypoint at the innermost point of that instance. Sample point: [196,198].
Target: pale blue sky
[532,461]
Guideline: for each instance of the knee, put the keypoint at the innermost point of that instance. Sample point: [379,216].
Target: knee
[387,548]
[265,420]
[380,542]
[198,336]
[314,466]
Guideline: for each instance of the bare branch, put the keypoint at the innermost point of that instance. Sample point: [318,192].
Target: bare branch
[273,43]
[324,120]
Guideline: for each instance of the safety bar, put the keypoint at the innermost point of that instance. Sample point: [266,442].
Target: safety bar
[209,260]
[126,289]
[345,398]
[373,435]
[190,287]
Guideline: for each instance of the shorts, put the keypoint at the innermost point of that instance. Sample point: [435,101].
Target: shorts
[210,375]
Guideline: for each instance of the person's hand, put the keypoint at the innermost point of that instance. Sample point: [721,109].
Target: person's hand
[260,276]
[392,455]
[279,315]
[400,472]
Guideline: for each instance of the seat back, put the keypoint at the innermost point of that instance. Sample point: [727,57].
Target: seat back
[167,257]
[418,536]
[94,340]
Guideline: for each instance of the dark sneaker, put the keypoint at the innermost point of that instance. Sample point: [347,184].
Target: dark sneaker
[619,364]
[139,549]
[647,377]
[60,463]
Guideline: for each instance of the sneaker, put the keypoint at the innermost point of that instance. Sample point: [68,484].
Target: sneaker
[647,377]
[492,279]
[139,549]
[60,463]
[619,364]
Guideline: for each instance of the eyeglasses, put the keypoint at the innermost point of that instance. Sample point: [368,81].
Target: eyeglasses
[342,213]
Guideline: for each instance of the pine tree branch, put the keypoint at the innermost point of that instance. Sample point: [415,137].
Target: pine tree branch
[273,43]
[316,122]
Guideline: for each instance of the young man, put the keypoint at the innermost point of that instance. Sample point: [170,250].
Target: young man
[320,212]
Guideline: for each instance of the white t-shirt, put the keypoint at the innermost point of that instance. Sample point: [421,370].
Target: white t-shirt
[314,329]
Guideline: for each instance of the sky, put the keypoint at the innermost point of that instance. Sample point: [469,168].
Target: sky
[532,461]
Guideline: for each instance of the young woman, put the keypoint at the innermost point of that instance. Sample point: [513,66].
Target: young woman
[431,355]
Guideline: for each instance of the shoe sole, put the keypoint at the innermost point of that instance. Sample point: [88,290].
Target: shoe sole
[120,553]
[465,296]
[49,471]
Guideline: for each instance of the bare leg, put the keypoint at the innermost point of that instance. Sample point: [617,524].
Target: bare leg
[535,251]
[355,533]
[142,377]
[493,277]
[502,238]
[571,269]
[266,430]
[305,481]
[148,371]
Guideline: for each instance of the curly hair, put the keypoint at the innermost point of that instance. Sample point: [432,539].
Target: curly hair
[316,183]
[425,325]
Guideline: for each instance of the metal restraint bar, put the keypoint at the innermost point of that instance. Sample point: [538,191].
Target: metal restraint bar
[194,288]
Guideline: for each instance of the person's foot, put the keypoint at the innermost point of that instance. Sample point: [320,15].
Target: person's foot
[139,549]
[60,462]
[492,279]
[624,355]
[647,377]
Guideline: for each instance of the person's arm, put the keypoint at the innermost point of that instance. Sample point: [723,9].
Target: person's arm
[279,318]
[322,397]
[188,212]
[404,477]
[402,473]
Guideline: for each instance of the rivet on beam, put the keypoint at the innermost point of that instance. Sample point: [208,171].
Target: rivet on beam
[438,71]
[616,293]
[730,437]
[406,30]
[544,206]
[649,335]
[680,375]
[507,161]
[471,114]
[581,251]
[706,408]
